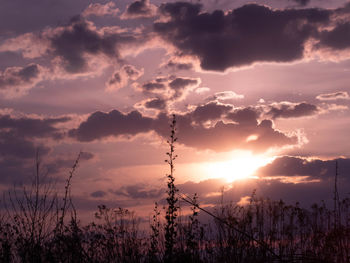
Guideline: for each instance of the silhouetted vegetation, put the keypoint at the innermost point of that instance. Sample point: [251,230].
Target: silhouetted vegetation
[40,226]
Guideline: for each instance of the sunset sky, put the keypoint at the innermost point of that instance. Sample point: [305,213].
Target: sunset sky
[260,91]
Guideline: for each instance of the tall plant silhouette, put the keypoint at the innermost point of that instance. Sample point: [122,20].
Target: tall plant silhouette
[172,200]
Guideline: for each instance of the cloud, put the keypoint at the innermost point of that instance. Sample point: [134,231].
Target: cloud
[19,138]
[97,9]
[27,127]
[210,111]
[15,146]
[343,95]
[100,125]
[291,110]
[57,164]
[117,81]
[132,72]
[245,116]
[314,168]
[156,103]
[153,86]
[16,170]
[228,136]
[301,2]
[225,95]
[121,78]
[180,85]
[139,9]
[78,48]
[17,161]
[220,136]
[170,88]
[179,65]
[98,194]
[338,38]
[251,33]
[30,45]
[79,38]
[202,188]
[152,106]
[139,191]
[15,81]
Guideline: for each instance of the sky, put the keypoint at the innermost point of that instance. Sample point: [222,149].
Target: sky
[260,91]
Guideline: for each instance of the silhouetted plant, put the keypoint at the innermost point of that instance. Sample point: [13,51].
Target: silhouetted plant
[172,200]
[154,250]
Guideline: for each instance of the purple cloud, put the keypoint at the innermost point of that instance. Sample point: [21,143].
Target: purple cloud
[121,77]
[100,125]
[139,9]
[251,33]
[14,81]
[291,110]
[170,88]
[219,137]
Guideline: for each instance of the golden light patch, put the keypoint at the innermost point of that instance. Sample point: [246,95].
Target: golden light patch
[241,166]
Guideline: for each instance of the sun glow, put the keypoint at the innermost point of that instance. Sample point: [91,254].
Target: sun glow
[242,166]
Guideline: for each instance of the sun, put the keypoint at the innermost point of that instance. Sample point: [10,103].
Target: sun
[240,166]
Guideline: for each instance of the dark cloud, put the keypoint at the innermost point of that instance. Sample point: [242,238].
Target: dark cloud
[18,164]
[132,72]
[248,34]
[12,144]
[86,155]
[19,144]
[141,8]
[220,136]
[152,86]
[60,164]
[114,123]
[338,38]
[115,82]
[98,194]
[139,191]
[179,65]
[288,110]
[80,38]
[202,188]
[245,116]
[18,78]
[121,77]
[301,2]
[314,168]
[156,103]
[16,170]
[26,127]
[210,111]
[334,96]
[226,136]
[170,88]
[180,85]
